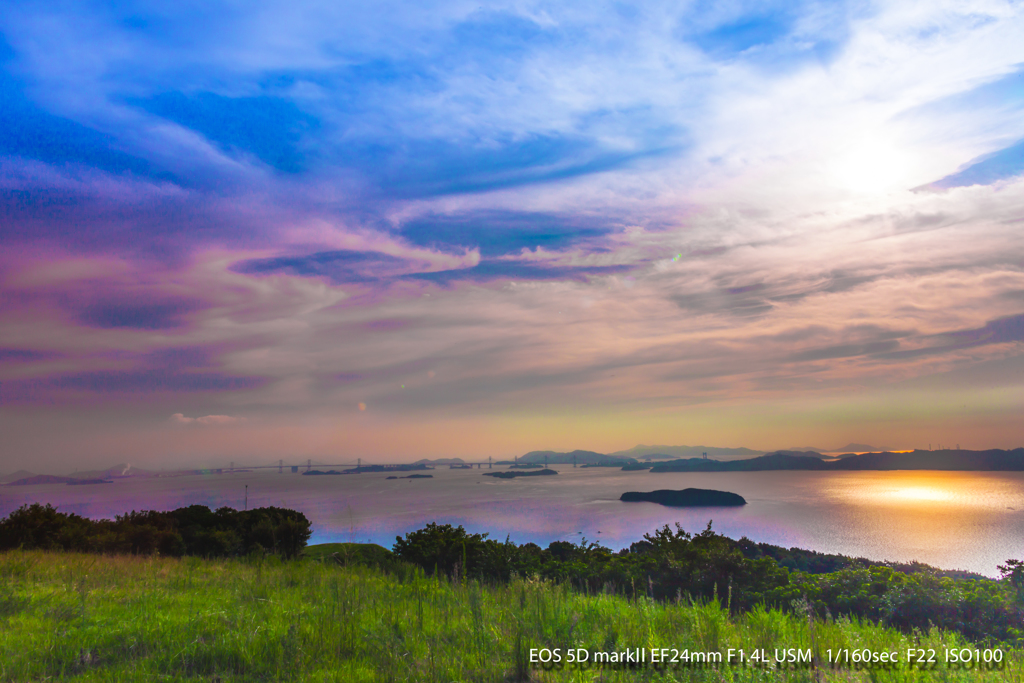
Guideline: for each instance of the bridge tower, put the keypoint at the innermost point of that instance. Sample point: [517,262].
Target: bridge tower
[309,464]
[489,465]
[280,466]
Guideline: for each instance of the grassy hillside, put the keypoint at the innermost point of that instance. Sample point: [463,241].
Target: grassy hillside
[133,618]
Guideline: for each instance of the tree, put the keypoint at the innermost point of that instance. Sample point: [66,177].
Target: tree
[1013,571]
[441,546]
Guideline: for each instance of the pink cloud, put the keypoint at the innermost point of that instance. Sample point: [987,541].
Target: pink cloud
[180,418]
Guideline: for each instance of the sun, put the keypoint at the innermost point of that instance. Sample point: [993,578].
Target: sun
[871,165]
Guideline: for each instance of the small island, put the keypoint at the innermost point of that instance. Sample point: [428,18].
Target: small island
[686,498]
[527,473]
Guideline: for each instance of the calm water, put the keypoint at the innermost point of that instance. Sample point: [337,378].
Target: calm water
[953,520]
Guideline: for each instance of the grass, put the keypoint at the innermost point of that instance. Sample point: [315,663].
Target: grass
[99,618]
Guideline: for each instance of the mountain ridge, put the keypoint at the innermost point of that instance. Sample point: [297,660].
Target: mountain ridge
[992,460]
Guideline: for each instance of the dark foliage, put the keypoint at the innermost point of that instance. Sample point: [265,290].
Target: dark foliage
[672,564]
[193,530]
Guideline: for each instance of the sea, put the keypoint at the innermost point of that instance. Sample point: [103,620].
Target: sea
[971,521]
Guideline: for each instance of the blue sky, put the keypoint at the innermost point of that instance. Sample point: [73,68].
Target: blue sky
[590,224]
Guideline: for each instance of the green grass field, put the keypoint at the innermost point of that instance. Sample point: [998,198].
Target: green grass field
[133,618]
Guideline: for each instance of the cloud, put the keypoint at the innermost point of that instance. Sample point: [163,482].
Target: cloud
[1000,331]
[433,168]
[8,355]
[158,315]
[520,270]
[29,131]
[147,381]
[985,170]
[271,129]
[339,265]
[206,419]
[119,376]
[496,233]
[296,208]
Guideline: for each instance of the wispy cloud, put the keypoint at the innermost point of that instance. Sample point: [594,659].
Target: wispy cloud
[438,210]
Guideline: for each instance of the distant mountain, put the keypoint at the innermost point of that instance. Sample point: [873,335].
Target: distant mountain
[15,476]
[440,461]
[41,479]
[643,452]
[804,449]
[857,448]
[780,460]
[119,470]
[848,448]
[556,458]
[994,460]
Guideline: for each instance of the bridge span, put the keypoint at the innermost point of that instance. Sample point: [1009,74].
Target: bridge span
[352,467]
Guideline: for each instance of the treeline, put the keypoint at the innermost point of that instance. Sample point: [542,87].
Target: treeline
[676,565]
[193,530]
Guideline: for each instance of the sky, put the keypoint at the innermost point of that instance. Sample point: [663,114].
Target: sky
[304,229]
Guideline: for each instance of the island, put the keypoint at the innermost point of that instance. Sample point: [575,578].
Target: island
[526,473]
[686,498]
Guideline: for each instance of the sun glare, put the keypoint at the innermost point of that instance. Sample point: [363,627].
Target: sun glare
[921,493]
[873,165]
[904,489]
